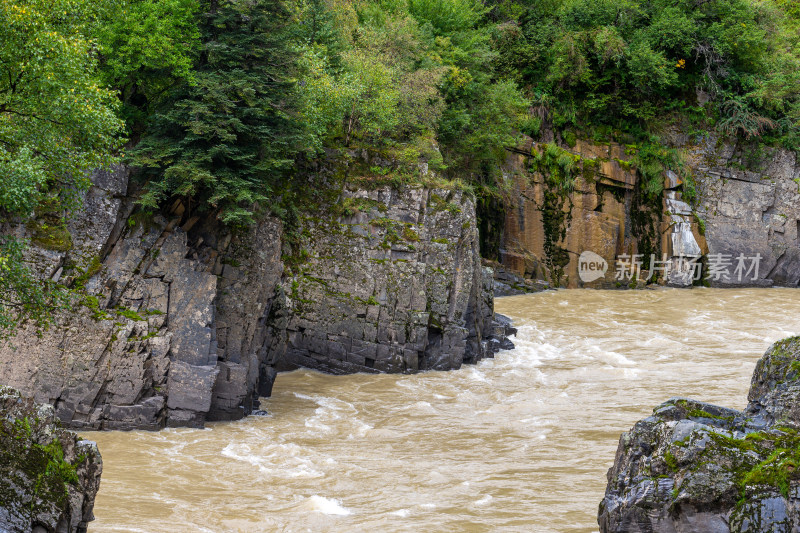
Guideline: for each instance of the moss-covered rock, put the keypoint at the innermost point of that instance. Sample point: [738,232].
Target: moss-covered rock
[48,476]
[694,466]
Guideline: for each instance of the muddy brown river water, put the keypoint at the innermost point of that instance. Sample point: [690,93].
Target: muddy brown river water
[521,442]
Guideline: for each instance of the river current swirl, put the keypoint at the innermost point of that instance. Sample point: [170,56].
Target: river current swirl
[521,442]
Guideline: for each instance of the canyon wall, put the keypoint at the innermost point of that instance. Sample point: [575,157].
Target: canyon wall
[395,284]
[595,216]
[140,348]
[180,321]
[746,204]
[749,198]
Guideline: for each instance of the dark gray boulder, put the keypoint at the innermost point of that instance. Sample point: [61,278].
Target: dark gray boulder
[697,467]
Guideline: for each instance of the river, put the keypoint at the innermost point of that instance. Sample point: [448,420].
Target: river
[521,442]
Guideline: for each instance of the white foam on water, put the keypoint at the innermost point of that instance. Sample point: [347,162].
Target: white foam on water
[402,513]
[128,529]
[332,405]
[329,414]
[328,506]
[609,357]
[477,375]
[361,429]
[526,355]
[483,501]
[289,459]
[240,452]
[421,407]
[303,470]
[314,423]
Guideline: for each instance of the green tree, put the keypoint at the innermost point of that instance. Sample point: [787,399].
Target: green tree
[147,47]
[448,16]
[479,124]
[226,139]
[625,63]
[369,96]
[56,120]
[362,101]
[482,109]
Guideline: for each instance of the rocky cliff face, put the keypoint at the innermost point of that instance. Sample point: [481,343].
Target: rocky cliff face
[48,476]
[157,335]
[748,203]
[693,466]
[181,321]
[395,285]
[547,228]
[593,217]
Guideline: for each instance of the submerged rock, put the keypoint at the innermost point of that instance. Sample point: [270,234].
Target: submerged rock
[693,466]
[48,476]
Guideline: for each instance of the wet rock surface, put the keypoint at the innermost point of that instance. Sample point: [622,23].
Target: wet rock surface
[547,231]
[509,283]
[48,476]
[745,202]
[693,466]
[750,202]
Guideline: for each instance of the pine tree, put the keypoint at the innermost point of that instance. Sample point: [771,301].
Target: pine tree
[226,139]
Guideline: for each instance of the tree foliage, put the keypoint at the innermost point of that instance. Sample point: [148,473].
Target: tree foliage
[57,121]
[633,62]
[226,138]
[24,297]
[147,47]
[407,71]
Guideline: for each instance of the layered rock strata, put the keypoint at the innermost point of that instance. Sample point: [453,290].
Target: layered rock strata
[747,204]
[179,321]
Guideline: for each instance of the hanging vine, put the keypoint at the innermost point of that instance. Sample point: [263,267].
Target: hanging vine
[559,169]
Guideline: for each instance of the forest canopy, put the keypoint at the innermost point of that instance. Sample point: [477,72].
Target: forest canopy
[217,99]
